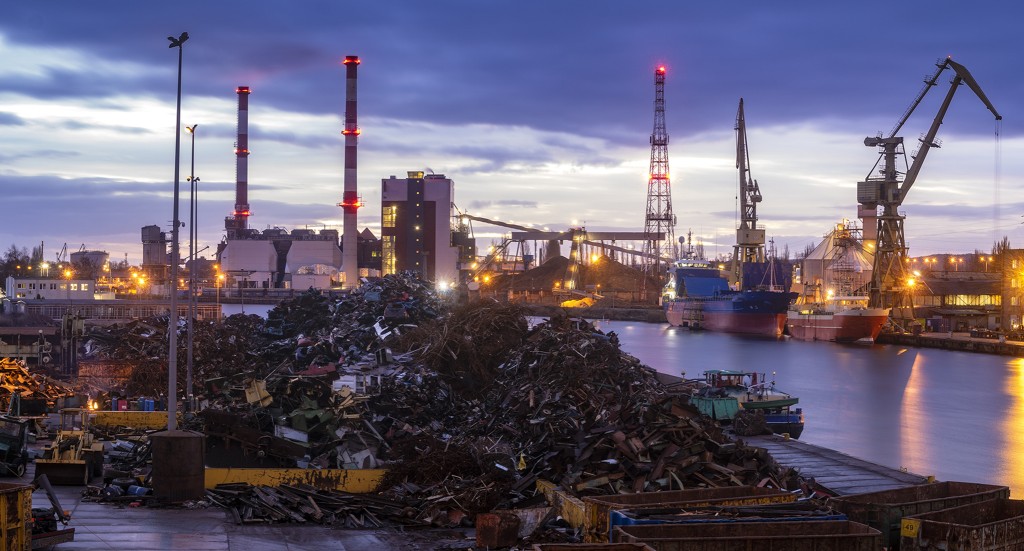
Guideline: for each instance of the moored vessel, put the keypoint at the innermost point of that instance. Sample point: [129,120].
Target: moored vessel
[701,299]
[725,395]
[832,304]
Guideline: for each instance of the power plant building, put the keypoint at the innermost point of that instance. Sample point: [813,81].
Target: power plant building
[416,233]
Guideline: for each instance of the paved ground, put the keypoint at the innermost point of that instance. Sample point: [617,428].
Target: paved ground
[103,526]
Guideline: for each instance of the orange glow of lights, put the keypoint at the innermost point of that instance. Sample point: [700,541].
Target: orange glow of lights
[242,90]
[661,69]
[351,59]
[242,213]
[351,204]
[356,132]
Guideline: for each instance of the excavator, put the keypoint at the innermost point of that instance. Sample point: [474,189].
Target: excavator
[888,287]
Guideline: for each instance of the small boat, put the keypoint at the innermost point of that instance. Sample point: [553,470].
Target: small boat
[724,394]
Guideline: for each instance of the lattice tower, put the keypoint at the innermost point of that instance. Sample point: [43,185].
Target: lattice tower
[659,221]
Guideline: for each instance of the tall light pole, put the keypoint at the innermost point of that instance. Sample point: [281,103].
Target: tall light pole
[192,231]
[172,329]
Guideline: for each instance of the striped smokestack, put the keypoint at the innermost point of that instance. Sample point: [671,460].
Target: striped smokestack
[350,200]
[241,214]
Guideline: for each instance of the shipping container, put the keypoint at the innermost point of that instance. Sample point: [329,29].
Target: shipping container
[992,525]
[597,509]
[591,547]
[832,535]
[884,510]
[15,517]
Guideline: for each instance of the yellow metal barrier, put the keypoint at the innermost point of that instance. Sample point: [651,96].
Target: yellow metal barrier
[150,420]
[15,517]
[570,508]
[356,481]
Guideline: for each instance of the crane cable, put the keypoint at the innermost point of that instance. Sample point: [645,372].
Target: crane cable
[996,179]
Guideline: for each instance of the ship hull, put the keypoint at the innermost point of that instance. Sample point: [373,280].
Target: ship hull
[755,313]
[844,326]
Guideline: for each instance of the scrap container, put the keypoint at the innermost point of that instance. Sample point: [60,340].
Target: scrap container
[884,510]
[992,525]
[803,511]
[591,547]
[832,535]
[15,517]
[597,509]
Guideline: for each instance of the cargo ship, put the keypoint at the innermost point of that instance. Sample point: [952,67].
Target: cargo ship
[832,304]
[700,298]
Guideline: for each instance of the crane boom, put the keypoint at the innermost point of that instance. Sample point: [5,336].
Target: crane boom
[962,75]
[889,287]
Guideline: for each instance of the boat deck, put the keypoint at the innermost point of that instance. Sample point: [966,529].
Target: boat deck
[837,472]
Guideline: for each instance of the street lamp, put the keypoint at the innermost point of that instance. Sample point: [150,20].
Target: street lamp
[192,230]
[172,330]
[220,281]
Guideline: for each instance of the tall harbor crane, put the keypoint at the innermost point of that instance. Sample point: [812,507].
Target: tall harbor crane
[749,237]
[888,287]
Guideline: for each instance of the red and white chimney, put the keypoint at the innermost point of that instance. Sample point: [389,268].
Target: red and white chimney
[241,214]
[350,200]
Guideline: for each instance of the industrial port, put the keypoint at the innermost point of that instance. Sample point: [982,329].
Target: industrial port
[461,381]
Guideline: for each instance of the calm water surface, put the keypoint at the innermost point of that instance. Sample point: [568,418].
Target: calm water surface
[954,415]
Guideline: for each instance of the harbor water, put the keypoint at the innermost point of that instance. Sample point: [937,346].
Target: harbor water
[956,415]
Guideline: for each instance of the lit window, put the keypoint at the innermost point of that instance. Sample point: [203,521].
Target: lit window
[85,286]
[74,286]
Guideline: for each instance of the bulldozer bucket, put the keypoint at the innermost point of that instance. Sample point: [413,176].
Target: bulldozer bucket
[64,473]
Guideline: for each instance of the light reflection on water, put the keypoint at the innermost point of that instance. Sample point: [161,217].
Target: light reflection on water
[955,415]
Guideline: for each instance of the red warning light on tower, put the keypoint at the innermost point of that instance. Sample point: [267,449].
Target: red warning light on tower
[661,69]
[351,59]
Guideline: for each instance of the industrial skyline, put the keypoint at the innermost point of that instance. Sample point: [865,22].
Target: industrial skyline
[539,112]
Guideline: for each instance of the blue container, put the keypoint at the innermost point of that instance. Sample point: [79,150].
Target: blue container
[138,490]
[113,404]
[141,404]
[149,404]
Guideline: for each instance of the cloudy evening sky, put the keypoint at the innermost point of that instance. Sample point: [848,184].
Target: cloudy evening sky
[540,110]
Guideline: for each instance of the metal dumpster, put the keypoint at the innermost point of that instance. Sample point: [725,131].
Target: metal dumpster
[992,525]
[596,509]
[884,510]
[831,535]
[591,547]
[15,517]
[775,512]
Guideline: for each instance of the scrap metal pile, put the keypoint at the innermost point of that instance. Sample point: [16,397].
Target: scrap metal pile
[22,387]
[466,407]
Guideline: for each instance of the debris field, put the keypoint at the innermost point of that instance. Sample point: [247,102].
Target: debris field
[467,407]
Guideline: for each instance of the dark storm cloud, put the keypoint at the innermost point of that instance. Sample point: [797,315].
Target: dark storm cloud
[580,67]
[10,119]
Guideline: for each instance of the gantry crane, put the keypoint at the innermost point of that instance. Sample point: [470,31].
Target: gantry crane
[888,287]
[749,238]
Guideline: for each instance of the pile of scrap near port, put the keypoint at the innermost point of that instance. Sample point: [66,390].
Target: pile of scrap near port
[469,409]
[23,392]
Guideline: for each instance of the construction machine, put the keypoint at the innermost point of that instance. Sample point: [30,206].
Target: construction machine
[883,234]
[74,456]
[13,445]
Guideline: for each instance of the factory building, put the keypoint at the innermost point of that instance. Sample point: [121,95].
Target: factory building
[416,227]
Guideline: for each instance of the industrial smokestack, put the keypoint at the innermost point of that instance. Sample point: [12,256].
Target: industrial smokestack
[350,200]
[240,219]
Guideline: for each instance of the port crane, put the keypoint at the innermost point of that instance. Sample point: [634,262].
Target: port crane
[749,237]
[889,287]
